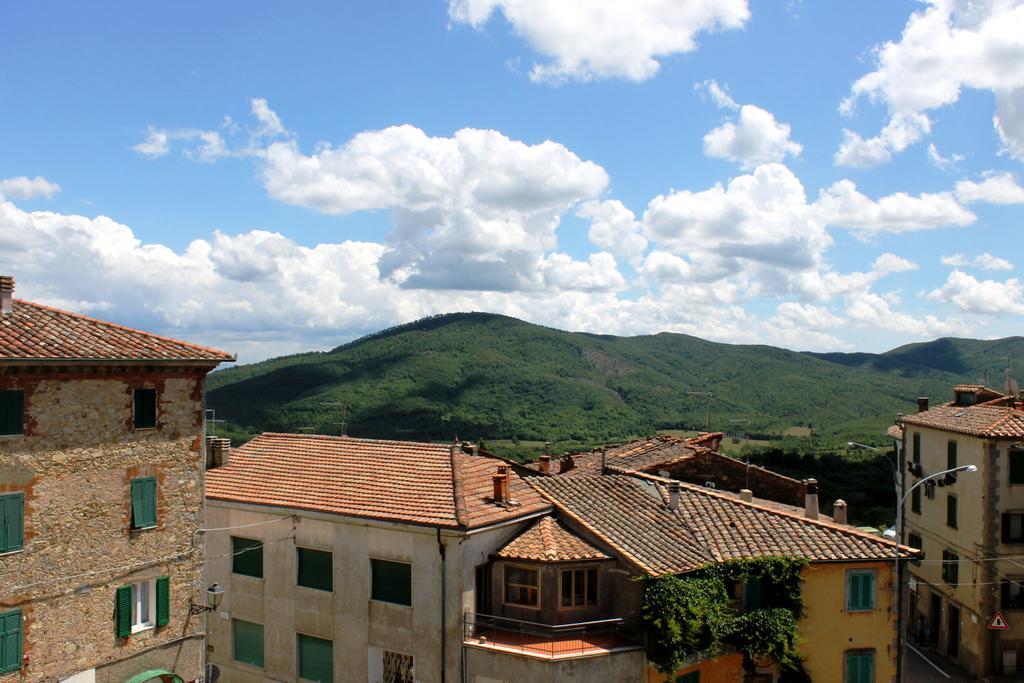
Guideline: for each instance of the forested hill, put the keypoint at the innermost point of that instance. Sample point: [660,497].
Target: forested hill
[478,375]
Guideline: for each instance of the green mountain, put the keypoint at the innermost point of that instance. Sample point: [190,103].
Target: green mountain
[478,375]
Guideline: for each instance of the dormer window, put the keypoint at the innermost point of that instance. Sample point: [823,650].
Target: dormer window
[966,398]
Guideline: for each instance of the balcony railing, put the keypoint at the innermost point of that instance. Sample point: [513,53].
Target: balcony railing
[552,641]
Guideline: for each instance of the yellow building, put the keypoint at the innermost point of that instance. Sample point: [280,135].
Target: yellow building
[971,530]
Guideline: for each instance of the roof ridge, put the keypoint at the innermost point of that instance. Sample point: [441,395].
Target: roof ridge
[342,437]
[220,355]
[458,490]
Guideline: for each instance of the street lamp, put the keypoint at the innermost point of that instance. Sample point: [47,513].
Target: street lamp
[214,594]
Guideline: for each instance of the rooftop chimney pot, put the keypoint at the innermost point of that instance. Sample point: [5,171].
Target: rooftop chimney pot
[811,499]
[747,495]
[673,495]
[545,464]
[6,294]
[839,511]
[922,404]
[217,451]
[566,463]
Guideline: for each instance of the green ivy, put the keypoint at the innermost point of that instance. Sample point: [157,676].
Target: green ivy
[688,614]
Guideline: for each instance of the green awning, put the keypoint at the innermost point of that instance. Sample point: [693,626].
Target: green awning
[154,673]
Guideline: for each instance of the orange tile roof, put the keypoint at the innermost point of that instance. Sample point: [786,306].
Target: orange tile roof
[999,419]
[35,332]
[630,514]
[635,455]
[400,481]
[549,541]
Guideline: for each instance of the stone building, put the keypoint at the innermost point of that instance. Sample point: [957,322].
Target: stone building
[101,480]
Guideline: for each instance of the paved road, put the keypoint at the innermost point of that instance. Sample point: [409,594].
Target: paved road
[923,667]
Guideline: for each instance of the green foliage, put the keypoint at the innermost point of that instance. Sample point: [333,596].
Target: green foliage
[688,614]
[477,375]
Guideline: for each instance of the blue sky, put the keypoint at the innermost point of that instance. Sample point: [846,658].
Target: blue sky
[273,178]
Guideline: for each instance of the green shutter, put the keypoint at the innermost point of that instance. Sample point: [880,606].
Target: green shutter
[12,412]
[860,591]
[316,659]
[248,642]
[316,569]
[163,600]
[123,611]
[12,526]
[753,594]
[247,557]
[10,641]
[917,448]
[391,582]
[951,511]
[860,667]
[951,455]
[143,502]
[915,500]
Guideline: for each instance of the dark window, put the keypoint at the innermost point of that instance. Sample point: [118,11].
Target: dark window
[143,502]
[951,511]
[692,677]
[951,455]
[10,641]
[950,567]
[1013,527]
[914,541]
[247,556]
[860,591]
[12,523]
[753,594]
[145,408]
[917,448]
[1016,466]
[522,586]
[391,582]
[248,642]
[579,587]
[12,412]
[860,667]
[316,569]
[915,500]
[1012,593]
[316,659]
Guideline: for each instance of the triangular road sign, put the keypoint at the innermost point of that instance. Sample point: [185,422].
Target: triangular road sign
[998,622]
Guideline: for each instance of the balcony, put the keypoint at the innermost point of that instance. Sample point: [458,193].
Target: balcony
[562,641]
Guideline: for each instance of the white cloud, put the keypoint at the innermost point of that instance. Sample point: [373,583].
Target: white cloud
[843,206]
[940,162]
[949,46]
[984,261]
[891,263]
[981,296]
[605,38]
[155,145]
[661,266]
[996,188]
[598,273]
[754,138]
[808,316]
[903,130]
[873,311]
[614,228]
[719,94]
[22,187]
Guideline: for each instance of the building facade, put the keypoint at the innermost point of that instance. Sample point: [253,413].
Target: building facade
[100,498]
[971,530]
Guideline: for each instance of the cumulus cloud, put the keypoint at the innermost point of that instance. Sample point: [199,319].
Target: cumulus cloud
[605,38]
[995,188]
[891,263]
[903,130]
[940,162]
[948,46]
[873,311]
[843,205]
[984,261]
[614,228]
[988,297]
[754,138]
[719,94]
[22,187]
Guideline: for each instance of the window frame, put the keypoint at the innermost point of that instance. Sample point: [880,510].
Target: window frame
[915,500]
[385,560]
[8,547]
[144,481]
[298,653]
[136,426]
[18,395]
[138,626]
[298,568]
[1004,528]
[854,573]
[255,544]
[848,654]
[505,583]
[234,643]
[586,569]
[952,511]
[950,568]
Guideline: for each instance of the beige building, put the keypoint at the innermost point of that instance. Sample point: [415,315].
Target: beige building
[100,498]
[971,530]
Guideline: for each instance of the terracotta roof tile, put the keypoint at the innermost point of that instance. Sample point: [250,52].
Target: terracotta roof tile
[630,514]
[549,541]
[634,455]
[1001,418]
[402,481]
[35,332]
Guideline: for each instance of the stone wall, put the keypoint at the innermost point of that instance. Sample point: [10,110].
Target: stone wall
[75,463]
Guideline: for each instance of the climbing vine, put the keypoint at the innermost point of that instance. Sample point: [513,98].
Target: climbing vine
[688,614]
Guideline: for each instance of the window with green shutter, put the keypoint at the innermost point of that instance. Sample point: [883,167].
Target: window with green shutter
[951,511]
[12,412]
[10,641]
[860,667]
[123,603]
[248,642]
[12,522]
[915,500]
[1016,466]
[316,569]
[316,659]
[163,601]
[917,448]
[950,455]
[391,582]
[143,502]
[145,408]
[860,591]
[247,557]
[753,594]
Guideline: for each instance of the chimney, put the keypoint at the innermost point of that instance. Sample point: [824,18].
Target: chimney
[839,511]
[922,404]
[545,464]
[746,495]
[673,495]
[501,479]
[604,460]
[217,449]
[811,498]
[566,463]
[6,294]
